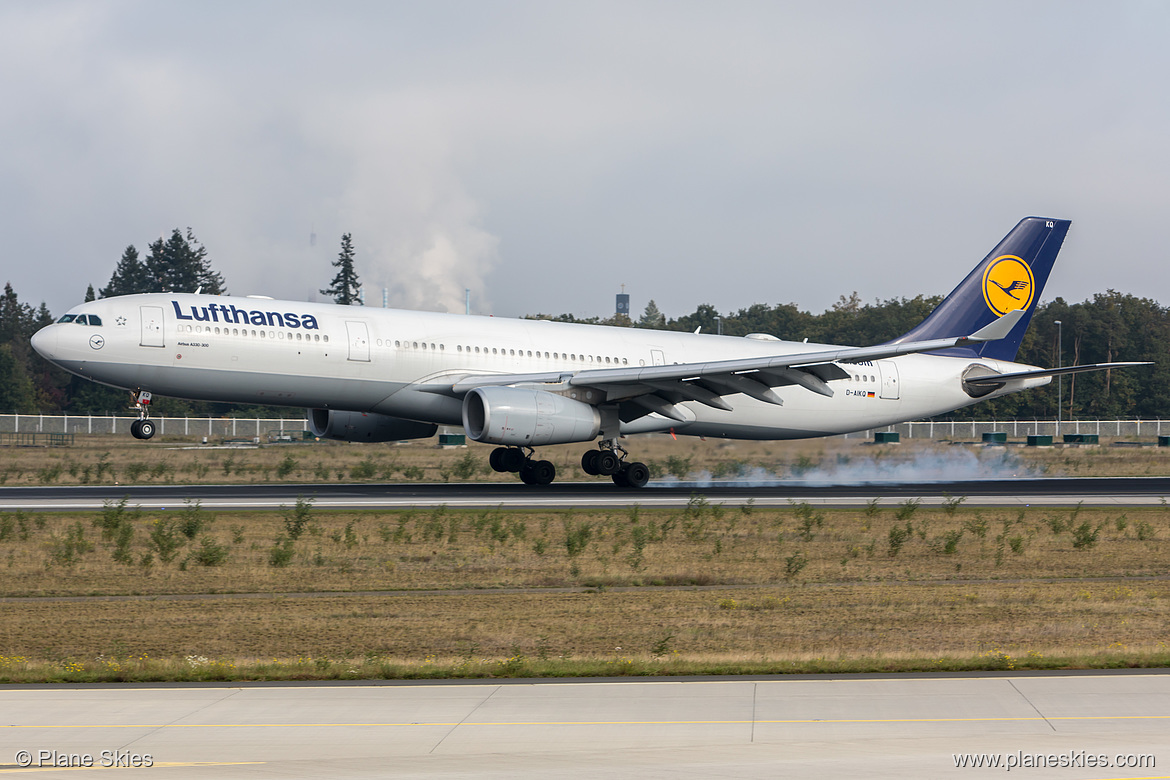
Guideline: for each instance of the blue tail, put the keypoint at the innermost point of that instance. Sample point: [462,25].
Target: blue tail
[1011,277]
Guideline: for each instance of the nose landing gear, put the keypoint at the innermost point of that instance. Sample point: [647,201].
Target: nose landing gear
[143,427]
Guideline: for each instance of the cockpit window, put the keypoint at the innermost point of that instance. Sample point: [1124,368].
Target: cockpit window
[95,320]
[68,318]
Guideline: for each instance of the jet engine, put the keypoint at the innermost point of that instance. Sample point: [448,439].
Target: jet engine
[365,426]
[521,417]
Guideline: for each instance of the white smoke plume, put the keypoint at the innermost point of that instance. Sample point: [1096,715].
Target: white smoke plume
[920,466]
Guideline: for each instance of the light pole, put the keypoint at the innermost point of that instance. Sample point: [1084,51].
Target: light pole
[1059,377]
[719,326]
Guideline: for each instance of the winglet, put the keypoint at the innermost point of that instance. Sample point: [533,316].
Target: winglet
[996,329]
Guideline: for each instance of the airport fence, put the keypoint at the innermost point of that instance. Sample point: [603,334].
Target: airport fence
[974,429]
[259,427]
[211,427]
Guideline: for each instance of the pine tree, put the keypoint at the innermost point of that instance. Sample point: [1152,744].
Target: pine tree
[345,287]
[130,276]
[89,294]
[180,264]
[652,318]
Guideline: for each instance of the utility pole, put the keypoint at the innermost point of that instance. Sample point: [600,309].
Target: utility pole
[1059,377]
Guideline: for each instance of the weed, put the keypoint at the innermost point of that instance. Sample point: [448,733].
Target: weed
[899,535]
[951,542]
[364,469]
[165,539]
[976,525]
[662,646]
[679,467]
[286,466]
[297,521]
[192,521]
[1145,531]
[871,507]
[951,503]
[210,552]
[809,519]
[907,509]
[66,550]
[1017,544]
[1085,535]
[1121,523]
[794,564]
[577,535]
[282,552]
[1057,524]
[466,467]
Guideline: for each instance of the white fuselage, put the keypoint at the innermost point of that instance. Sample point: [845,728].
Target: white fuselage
[263,351]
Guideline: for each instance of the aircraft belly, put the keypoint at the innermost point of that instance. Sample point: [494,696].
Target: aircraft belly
[239,386]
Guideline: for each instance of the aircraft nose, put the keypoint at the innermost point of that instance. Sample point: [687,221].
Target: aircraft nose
[44,341]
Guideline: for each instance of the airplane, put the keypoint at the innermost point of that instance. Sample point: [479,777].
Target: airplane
[374,375]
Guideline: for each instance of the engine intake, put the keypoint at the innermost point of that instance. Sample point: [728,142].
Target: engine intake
[365,426]
[521,417]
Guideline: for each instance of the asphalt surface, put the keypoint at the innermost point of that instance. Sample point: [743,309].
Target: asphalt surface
[1114,491]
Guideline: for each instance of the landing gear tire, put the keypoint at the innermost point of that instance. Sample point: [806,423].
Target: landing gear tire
[506,459]
[589,462]
[145,429]
[634,475]
[135,429]
[608,463]
[538,472]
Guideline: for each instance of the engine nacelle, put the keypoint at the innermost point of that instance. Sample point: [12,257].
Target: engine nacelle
[521,417]
[365,426]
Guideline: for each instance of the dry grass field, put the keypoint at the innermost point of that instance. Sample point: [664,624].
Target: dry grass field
[308,593]
[125,595]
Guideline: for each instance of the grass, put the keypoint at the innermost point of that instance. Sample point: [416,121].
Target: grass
[700,589]
[109,460]
[121,594]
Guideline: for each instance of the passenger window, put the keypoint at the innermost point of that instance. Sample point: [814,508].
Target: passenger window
[261,334]
[477,350]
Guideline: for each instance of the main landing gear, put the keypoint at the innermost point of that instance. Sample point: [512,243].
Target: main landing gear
[601,462]
[515,460]
[607,462]
[143,427]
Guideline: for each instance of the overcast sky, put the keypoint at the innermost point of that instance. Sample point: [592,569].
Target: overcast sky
[542,154]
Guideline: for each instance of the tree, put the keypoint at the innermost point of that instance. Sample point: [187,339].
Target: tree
[652,318]
[345,288]
[90,295]
[180,264]
[130,276]
[16,389]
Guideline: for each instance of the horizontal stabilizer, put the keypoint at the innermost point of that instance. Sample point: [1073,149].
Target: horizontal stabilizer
[999,379]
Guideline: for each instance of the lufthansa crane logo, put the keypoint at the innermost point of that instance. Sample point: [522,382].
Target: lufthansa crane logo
[1008,285]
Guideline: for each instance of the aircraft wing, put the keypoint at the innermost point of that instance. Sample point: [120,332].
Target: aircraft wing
[658,388]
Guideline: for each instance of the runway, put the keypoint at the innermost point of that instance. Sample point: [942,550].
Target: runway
[843,727]
[1064,491]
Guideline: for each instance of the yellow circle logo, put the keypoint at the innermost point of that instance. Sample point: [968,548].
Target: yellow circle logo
[1008,285]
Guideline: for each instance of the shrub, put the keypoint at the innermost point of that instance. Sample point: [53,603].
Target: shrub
[165,539]
[282,551]
[210,552]
[898,537]
[1085,535]
[285,467]
[296,521]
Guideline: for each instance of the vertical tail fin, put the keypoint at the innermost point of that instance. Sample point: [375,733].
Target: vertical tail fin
[1011,277]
